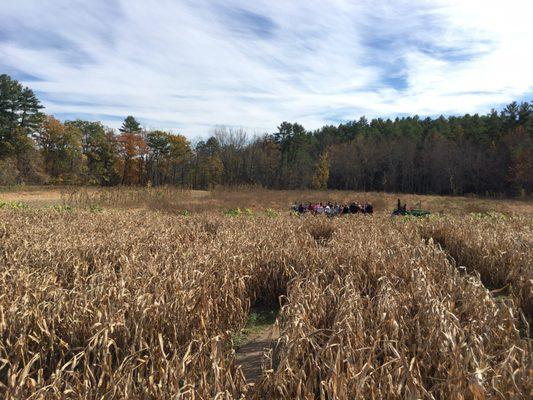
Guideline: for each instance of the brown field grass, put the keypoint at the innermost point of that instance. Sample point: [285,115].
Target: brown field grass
[37,197]
[498,248]
[140,304]
[174,199]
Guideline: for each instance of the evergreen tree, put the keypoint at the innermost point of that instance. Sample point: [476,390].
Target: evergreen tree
[20,116]
[130,125]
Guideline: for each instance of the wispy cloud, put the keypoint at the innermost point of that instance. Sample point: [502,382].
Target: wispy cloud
[190,65]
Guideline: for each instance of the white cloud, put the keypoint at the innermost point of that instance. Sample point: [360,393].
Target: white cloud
[188,65]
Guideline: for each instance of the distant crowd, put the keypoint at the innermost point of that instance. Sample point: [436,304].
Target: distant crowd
[331,209]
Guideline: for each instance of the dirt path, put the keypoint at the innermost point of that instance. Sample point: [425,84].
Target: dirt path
[250,355]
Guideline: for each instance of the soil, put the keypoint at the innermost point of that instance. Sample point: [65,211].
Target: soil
[250,355]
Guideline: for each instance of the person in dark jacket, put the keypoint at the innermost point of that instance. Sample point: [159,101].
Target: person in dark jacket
[400,209]
[353,208]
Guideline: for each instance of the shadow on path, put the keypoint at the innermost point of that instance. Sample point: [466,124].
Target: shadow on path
[250,355]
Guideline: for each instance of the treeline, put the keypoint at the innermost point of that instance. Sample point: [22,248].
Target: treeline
[483,154]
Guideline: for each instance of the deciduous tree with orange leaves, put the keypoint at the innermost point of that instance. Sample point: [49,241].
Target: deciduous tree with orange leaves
[133,151]
[62,151]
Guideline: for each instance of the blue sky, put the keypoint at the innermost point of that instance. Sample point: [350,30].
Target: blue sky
[190,65]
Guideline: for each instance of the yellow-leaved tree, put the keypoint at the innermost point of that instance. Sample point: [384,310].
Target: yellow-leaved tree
[321,175]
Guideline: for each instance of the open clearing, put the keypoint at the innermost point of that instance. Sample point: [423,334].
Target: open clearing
[257,199]
[146,303]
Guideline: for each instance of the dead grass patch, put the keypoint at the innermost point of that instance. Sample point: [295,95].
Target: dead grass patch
[140,304]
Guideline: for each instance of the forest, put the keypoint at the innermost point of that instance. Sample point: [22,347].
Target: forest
[488,154]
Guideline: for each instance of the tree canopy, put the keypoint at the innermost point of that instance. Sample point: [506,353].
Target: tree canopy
[472,153]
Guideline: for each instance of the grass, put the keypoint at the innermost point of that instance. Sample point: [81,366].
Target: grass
[258,320]
[250,200]
[13,205]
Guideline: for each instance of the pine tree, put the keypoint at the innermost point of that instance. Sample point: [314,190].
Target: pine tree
[30,117]
[20,115]
[130,125]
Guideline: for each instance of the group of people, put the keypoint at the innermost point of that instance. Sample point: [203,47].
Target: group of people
[331,209]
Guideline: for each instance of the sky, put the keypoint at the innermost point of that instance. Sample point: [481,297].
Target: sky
[191,65]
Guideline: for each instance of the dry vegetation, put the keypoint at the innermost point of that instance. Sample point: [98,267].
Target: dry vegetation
[143,304]
[172,199]
[168,198]
[498,248]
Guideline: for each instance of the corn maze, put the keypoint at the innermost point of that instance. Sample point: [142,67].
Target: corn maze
[144,305]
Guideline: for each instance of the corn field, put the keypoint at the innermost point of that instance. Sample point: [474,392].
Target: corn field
[496,248]
[142,305]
